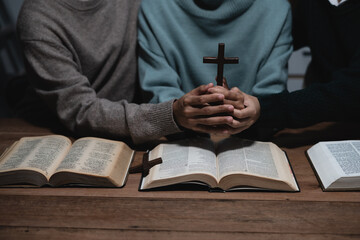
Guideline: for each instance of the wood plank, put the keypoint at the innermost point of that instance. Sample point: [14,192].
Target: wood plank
[186,215]
[28,233]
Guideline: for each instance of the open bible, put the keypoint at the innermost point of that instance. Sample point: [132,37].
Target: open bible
[53,160]
[232,164]
[337,164]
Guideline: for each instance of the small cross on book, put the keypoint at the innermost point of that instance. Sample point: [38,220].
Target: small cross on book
[220,60]
[146,165]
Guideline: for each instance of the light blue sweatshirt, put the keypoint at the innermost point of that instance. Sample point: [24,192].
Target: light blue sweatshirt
[175,35]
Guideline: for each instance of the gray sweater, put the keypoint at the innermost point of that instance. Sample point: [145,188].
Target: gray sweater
[81,59]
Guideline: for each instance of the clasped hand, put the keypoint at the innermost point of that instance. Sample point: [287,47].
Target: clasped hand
[216,110]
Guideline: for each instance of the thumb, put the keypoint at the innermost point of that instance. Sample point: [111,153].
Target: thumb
[225,85]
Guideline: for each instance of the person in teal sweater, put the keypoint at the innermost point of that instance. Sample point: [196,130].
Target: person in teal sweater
[175,35]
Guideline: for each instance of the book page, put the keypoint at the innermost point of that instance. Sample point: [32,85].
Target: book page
[185,157]
[237,155]
[91,156]
[7,150]
[347,156]
[334,160]
[41,154]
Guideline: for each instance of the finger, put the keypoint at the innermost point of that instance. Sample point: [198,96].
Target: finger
[236,89]
[218,89]
[201,112]
[213,110]
[237,104]
[240,123]
[203,99]
[211,121]
[201,89]
[234,94]
[234,97]
[225,84]
[247,112]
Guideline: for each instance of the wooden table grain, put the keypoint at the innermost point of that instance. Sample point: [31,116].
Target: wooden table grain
[126,213]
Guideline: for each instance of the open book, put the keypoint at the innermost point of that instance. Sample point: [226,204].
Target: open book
[232,164]
[54,160]
[337,164]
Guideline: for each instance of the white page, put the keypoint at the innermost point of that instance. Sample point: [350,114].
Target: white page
[180,159]
[346,155]
[246,156]
[90,156]
[38,153]
[335,159]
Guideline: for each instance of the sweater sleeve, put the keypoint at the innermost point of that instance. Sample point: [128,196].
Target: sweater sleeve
[299,27]
[337,100]
[155,73]
[272,74]
[58,81]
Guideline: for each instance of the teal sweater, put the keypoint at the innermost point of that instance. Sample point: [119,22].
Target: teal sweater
[175,35]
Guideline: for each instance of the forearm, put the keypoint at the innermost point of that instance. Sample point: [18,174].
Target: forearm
[119,120]
[83,113]
[333,101]
[150,121]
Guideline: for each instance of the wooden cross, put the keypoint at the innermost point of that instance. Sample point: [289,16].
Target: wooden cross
[146,165]
[220,60]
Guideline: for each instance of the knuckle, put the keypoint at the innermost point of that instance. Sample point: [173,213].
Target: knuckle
[187,112]
[202,99]
[224,108]
[187,101]
[204,121]
[206,111]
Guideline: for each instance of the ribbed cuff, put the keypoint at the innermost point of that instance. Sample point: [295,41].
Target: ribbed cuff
[164,115]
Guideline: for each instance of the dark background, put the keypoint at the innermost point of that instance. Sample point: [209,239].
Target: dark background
[11,63]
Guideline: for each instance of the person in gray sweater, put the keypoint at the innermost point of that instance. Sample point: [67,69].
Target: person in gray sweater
[82,68]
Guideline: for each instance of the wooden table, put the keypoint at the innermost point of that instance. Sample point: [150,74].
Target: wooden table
[125,213]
